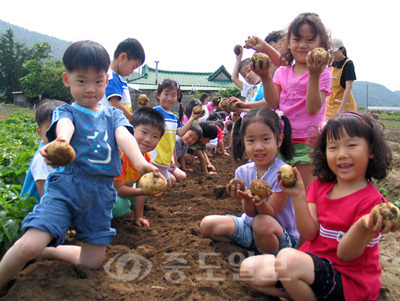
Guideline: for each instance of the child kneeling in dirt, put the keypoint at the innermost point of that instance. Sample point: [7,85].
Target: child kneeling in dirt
[82,192]
[149,126]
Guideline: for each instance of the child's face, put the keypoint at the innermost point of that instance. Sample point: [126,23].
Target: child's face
[147,137]
[86,87]
[204,140]
[261,144]
[249,75]
[348,158]
[304,44]
[127,67]
[168,98]
[190,137]
[42,129]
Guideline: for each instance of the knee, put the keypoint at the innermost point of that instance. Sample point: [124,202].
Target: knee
[262,224]
[28,249]
[246,271]
[206,226]
[285,261]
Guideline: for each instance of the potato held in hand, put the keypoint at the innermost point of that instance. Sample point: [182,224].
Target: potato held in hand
[287,175]
[260,60]
[152,184]
[388,211]
[236,181]
[260,189]
[60,153]
[238,49]
[198,110]
[319,54]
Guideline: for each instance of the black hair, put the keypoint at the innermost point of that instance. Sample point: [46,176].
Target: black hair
[355,124]
[149,116]
[132,48]
[44,110]
[203,97]
[84,55]
[216,100]
[219,123]
[243,62]
[197,129]
[214,116]
[209,129]
[189,107]
[272,120]
[171,84]
[274,36]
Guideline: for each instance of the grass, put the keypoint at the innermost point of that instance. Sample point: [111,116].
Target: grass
[6,110]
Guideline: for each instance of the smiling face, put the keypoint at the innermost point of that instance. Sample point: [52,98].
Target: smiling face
[348,158]
[147,137]
[300,46]
[86,87]
[190,137]
[261,145]
[168,98]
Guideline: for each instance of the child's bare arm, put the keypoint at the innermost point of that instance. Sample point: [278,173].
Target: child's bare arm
[129,146]
[235,72]
[273,54]
[127,191]
[115,102]
[273,205]
[140,220]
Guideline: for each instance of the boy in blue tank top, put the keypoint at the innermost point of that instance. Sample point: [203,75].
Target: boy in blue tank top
[82,193]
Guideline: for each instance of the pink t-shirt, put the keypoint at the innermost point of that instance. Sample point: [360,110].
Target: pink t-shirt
[361,276]
[292,100]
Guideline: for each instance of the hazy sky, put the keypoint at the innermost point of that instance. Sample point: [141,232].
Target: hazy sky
[200,35]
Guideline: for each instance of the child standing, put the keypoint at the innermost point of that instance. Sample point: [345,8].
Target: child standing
[269,225]
[340,258]
[168,92]
[81,193]
[299,90]
[38,169]
[204,101]
[149,126]
[128,56]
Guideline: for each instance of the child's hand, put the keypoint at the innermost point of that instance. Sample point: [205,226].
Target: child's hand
[197,116]
[43,151]
[298,190]
[368,221]
[210,166]
[255,43]
[237,103]
[142,222]
[236,193]
[316,65]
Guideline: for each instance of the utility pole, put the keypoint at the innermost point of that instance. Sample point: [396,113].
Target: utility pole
[367,99]
[157,72]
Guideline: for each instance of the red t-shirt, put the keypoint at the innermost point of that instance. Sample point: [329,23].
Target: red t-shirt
[361,276]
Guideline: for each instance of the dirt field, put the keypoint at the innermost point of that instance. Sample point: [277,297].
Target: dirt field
[171,260]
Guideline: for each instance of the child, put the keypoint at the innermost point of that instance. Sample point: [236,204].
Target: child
[81,193]
[198,149]
[299,90]
[269,225]
[38,169]
[204,99]
[183,143]
[188,110]
[168,93]
[340,258]
[149,126]
[128,56]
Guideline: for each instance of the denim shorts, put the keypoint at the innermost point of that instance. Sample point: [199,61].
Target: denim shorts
[75,198]
[244,236]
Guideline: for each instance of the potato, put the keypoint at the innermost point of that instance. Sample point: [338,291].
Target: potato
[142,99]
[318,53]
[234,182]
[260,60]
[152,184]
[226,105]
[287,175]
[60,153]
[238,49]
[250,41]
[198,109]
[388,211]
[260,189]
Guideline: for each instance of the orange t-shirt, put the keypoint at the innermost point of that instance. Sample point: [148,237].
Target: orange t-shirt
[129,172]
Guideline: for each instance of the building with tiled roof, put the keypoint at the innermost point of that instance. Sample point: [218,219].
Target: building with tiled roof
[207,82]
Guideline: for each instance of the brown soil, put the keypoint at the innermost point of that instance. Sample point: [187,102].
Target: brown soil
[171,260]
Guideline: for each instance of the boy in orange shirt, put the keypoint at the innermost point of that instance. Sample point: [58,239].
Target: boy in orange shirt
[149,126]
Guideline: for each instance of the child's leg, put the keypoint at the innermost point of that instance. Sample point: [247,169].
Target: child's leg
[179,174]
[28,247]
[266,232]
[218,227]
[87,254]
[259,272]
[295,269]
[306,173]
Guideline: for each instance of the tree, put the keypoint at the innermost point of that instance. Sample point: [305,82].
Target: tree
[229,92]
[44,79]
[13,55]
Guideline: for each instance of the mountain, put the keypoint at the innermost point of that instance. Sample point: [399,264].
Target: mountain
[378,95]
[27,37]
[375,95]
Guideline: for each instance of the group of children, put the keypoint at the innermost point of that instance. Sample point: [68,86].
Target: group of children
[317,239]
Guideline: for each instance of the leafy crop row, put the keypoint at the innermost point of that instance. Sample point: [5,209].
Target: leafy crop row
[18,144]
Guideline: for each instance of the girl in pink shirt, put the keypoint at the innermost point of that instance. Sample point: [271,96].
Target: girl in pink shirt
[340,258]
[299,89]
